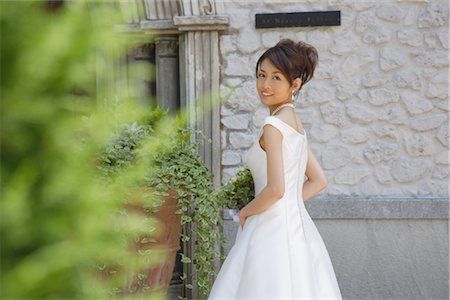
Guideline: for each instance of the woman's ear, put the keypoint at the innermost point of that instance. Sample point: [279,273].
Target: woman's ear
[296,85]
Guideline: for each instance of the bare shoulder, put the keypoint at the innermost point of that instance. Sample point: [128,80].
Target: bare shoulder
[292,119]
[270,136]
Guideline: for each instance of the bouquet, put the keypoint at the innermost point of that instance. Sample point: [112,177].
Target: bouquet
[238,191]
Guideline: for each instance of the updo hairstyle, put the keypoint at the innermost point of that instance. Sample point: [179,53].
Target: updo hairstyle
[294,60]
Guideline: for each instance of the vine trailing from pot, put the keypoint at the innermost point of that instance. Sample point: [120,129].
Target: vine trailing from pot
[181,174]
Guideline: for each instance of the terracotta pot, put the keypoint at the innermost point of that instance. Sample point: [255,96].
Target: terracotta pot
[167,237]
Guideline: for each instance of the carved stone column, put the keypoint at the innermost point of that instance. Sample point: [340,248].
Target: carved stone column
[167,70]
[200,74]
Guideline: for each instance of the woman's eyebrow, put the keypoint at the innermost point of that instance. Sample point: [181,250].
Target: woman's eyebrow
[276,71]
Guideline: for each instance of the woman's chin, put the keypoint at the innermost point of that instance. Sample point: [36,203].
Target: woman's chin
[265,100]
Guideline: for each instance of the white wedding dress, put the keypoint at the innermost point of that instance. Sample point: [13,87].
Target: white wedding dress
[279,254]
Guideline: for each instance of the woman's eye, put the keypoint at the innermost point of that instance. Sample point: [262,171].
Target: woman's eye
[276,77]
[260,75]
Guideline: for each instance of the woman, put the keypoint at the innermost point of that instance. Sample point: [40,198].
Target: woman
[278,252]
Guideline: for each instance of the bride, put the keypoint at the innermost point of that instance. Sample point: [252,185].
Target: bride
[278,252]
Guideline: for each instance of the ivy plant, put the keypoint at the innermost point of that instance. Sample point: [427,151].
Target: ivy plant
[180,170]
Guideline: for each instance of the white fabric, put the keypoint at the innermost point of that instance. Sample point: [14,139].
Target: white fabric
[279,254]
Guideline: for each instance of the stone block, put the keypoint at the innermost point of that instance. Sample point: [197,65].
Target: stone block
[355,63]
[238,65]
[334,113]
[335,156]
[410,37]
[442,158]
[373,78]
[438,86]
[347,89]
[317,92]
[231,158]
[363,5]
[359,113]
[227,44]
[443,38]
[244,97]
[383,174]
[344,44]
[408,79]
[239,18]
[434,14]
[240,140]
[382,96]
[223,139]
[229,173]
[433,188]
[432,40]
[428,122]
[380,151]
[365,21]
[248,41]
[390,12]
[391,58]
[236,121]
[377,36]
[440,172]
[416,104]
[443,134]
[351,175]
[409,170]
[394,114]
[418,145]
[323,132]
[386,130]
[355,134]
[430,59]
[320,39]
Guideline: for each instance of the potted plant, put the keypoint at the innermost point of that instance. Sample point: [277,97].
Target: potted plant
[179,191]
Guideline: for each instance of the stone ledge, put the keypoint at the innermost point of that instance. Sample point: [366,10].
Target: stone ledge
[374,208]
[378,208]
[151,26]
[201,23]
[178,24]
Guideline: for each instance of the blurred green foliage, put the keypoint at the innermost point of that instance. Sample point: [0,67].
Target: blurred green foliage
[61,222]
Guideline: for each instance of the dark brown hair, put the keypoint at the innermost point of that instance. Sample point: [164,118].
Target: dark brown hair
[294,60]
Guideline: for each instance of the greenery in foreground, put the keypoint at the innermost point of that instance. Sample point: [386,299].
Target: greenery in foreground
[61,222]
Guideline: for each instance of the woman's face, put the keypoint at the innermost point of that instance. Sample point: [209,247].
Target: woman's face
[273,87]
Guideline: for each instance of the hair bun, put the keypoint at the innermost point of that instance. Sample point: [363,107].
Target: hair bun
[307,59]
[295,60]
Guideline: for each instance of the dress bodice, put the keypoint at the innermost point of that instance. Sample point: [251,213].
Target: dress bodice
[294,153]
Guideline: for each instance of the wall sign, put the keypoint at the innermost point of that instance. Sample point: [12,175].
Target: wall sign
[298,19]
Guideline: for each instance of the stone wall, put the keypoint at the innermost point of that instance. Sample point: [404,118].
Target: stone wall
[376,112]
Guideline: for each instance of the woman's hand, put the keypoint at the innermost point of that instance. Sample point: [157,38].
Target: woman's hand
[242,218]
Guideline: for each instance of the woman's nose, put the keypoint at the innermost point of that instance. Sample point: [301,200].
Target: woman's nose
[266,83]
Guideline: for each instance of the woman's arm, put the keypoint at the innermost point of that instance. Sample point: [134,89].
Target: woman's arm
[316,177]
[274,190]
